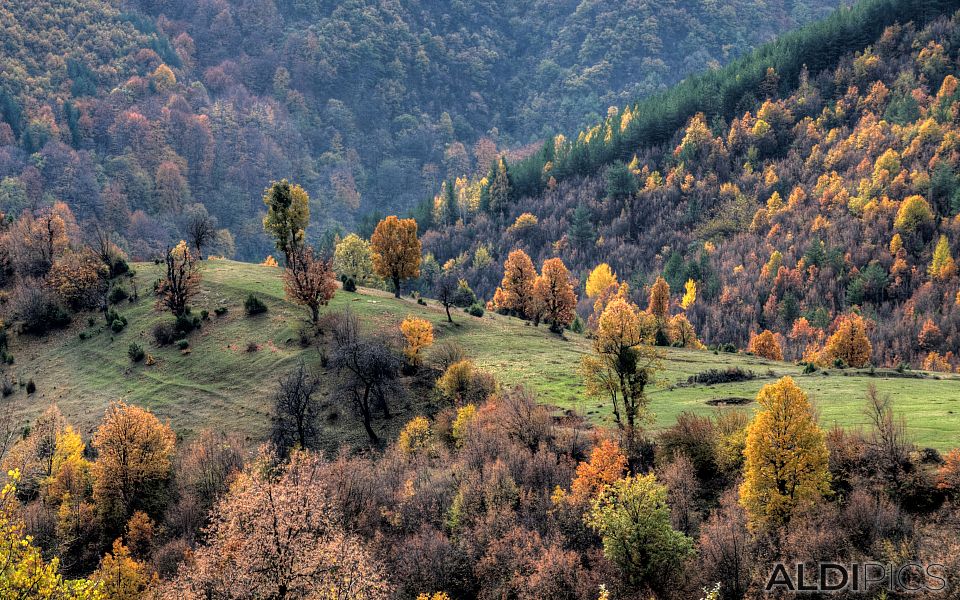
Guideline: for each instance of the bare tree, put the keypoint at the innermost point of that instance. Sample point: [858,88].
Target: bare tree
[295,408]
[200,227]
[444,290]
[369,368]
[887,441]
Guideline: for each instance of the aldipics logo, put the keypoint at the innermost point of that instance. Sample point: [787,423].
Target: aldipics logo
[857,577]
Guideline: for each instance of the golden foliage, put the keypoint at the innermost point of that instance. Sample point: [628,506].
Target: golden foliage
[415,436]
[419,335]
[766,345]
[396,250]
[519,276]
[849,343]
[786,458]
[554,295]
[600,278]
[659,305]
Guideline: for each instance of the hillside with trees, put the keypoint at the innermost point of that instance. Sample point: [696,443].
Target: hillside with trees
[822,196]
[141,114]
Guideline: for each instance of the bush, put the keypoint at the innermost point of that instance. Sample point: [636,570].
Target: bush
[31,387]
[220,311]
[204,315]
[186,323]
[464,296]
[728,348]
[111,315]
[117,326]
[117,295]
[809,368]
[164,333]
[183,344]
[7,388]
[349,285]
[38,309]
[476,310]
[714,376]
[252,346]
[135,352]
[254,306]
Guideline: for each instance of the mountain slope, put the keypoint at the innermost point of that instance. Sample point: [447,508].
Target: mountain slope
[131,111]
[807,205]
[220,383]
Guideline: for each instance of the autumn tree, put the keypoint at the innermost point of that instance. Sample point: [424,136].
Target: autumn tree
[396,250]
[766,345]
[632,514]
[288,214]
[80,279]
[499,189]
[352,259]
[134,450]
[786,466]
[296,410]
[624,362]
[278,536]
[600,278]
[659,305]
[419,335]
[942,267]
[849,344]
[554,296]
[24,574]
[519,276]
[690,294]
[606,465]
[308,280]
[120,576]
[682,333]
[182,281]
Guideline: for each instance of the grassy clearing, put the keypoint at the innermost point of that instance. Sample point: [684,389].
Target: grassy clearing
[219,383]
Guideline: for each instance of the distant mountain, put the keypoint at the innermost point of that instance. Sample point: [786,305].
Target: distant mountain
[130,111]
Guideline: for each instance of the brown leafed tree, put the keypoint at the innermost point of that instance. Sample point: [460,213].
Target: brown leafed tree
[766,345]
[277,537]
[519,276]
[182,280]
[554,295]
[133,463]
[396,250]
[80,279]
[659,299]
[309,281]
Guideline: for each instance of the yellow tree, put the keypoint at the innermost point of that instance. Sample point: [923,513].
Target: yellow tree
[419,335]
[288,214]
[623,363]
[849,343]
[396,250]
[519,276]
[766,345]
[351,258]
[659,305]
[943,266]
[786,459]
[601,278]
[553,293]
[682,332]
[133,463]
[690,294]
[120,576]
[23,572]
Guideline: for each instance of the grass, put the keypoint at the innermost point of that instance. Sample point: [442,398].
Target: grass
[217,382]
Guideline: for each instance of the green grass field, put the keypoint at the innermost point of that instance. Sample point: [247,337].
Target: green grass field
[220,384]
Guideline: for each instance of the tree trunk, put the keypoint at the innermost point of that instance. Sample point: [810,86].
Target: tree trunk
[449,318]
[315,314]
[396,286]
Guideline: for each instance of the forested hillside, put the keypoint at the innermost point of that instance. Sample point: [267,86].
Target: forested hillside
[791,197]
[132,112]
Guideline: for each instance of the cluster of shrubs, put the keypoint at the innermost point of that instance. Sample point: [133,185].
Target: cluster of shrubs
[166,332]
[714,376]
[115,320]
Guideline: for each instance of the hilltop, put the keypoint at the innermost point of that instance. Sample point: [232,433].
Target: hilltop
[221,384]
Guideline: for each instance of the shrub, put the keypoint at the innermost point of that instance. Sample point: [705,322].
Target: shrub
[446,353]
[31,387]
[164,333]
[204,315]
[464,296]
[38,309]
[220,311]
[117,295]
[729,348]
[111,315]
[252,346]
[349,285]
[186,323]
[254,306]
[714,376]
[183,344]
[117,326]
[7,388]
[809,368]
[475,310]
[135,352]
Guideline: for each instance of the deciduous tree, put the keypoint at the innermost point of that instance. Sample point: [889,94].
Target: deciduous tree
[351,258]
[766,345]
[554,296]
[419,335]
[182,280]
[396,250]
[308,280]
[659,305]
[288,214]
[600,278]
[849,343]
[519,276]
[786,466]
[296,410]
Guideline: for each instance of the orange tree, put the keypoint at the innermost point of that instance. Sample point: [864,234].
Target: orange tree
[396,250]
[553,293]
